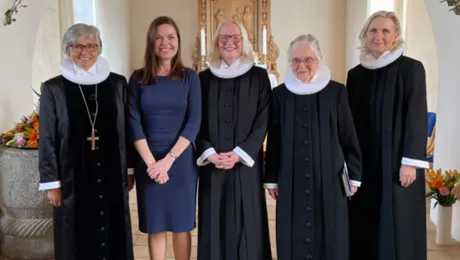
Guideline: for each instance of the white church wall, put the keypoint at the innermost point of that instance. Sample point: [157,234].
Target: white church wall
[324,19]
[30,51]
[421,45]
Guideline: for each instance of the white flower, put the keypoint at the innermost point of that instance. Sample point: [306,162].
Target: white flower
[18,135]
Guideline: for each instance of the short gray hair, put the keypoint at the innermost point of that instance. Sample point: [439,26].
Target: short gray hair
[76,32]
[306,39]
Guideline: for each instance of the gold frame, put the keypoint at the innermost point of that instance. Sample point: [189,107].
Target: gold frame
[262,20]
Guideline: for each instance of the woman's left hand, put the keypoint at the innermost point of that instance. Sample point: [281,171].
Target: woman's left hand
[354,189]
[229,161]
[407,175]
[160,167]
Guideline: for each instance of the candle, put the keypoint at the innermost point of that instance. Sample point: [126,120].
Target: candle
[264,41]
[203,42]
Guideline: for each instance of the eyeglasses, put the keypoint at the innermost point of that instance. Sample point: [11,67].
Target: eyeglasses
[224,38]
[81,47]
[306,61]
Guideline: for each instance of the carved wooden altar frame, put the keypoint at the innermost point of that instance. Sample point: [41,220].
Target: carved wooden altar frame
[261,18]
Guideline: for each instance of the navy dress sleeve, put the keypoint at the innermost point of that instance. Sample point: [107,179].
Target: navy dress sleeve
[135,116]
[192,125]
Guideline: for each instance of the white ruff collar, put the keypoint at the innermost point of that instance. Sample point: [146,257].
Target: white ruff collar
[317,83]
[222,70]
[95,75]
[370,62]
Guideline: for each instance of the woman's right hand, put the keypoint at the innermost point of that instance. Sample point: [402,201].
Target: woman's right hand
[273,193]
[215,158]
[54,197]
[162,178]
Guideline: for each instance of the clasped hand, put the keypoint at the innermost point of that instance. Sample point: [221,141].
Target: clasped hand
[224,161]
[158,170]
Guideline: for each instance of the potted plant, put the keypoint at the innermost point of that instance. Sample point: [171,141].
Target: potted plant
[441,190]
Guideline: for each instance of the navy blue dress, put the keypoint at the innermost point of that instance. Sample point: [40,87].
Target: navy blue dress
[161,113]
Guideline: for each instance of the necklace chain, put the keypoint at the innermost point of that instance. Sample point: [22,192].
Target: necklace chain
[93,122]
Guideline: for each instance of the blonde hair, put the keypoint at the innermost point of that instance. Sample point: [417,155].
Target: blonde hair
[248,51]
[381,14]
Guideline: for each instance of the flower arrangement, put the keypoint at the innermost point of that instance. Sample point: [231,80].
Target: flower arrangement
[442,186]
[24,135]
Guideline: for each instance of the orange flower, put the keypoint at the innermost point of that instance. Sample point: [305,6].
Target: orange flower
[36,125]
[32,137]
[19,128]
[434,179]
[32,144]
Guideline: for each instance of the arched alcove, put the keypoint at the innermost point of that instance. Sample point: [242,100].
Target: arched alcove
[445,27]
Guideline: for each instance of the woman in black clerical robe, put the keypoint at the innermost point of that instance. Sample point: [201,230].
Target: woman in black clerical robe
[232,213]
[387,93]
[311,138]
[84,152]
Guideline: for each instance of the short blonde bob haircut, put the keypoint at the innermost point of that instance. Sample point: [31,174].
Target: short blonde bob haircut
[247,54]
[381,14]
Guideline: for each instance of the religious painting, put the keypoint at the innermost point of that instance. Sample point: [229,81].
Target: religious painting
[252,14]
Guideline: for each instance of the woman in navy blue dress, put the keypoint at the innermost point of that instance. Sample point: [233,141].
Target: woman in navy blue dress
[165,117]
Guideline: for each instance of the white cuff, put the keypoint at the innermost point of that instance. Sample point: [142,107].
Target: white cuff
[49,185]
[270,186]
[415,163]
[355,183]
[245,158]
[203,160]
[130,171]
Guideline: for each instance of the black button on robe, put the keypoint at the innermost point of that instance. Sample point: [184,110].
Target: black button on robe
[309,138]
[93,221]
[232,213]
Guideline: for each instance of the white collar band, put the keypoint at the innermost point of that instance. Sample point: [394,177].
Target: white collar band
[99,72]
[370,62]
[317,83]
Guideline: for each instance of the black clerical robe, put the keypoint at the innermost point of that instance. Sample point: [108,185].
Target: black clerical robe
[309,139]
[232,213]
[94,220]
[387,221]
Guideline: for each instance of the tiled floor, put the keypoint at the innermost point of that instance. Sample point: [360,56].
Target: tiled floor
[141,251]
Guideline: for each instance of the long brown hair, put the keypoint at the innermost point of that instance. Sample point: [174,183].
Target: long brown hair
[147,74]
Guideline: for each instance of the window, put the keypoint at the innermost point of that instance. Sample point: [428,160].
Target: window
[397,6]
[84,11]
[380,5]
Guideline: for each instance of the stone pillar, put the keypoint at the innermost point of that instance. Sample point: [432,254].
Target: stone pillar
[445,27]
[356,15]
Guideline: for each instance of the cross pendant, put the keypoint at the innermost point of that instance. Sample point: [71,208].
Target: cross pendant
[93,139]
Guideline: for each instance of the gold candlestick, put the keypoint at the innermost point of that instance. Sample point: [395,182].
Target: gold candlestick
[203,64]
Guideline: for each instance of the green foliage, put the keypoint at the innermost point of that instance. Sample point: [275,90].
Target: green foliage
[13,11]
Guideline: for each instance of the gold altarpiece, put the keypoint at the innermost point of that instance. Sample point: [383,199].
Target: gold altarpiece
[253,14]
